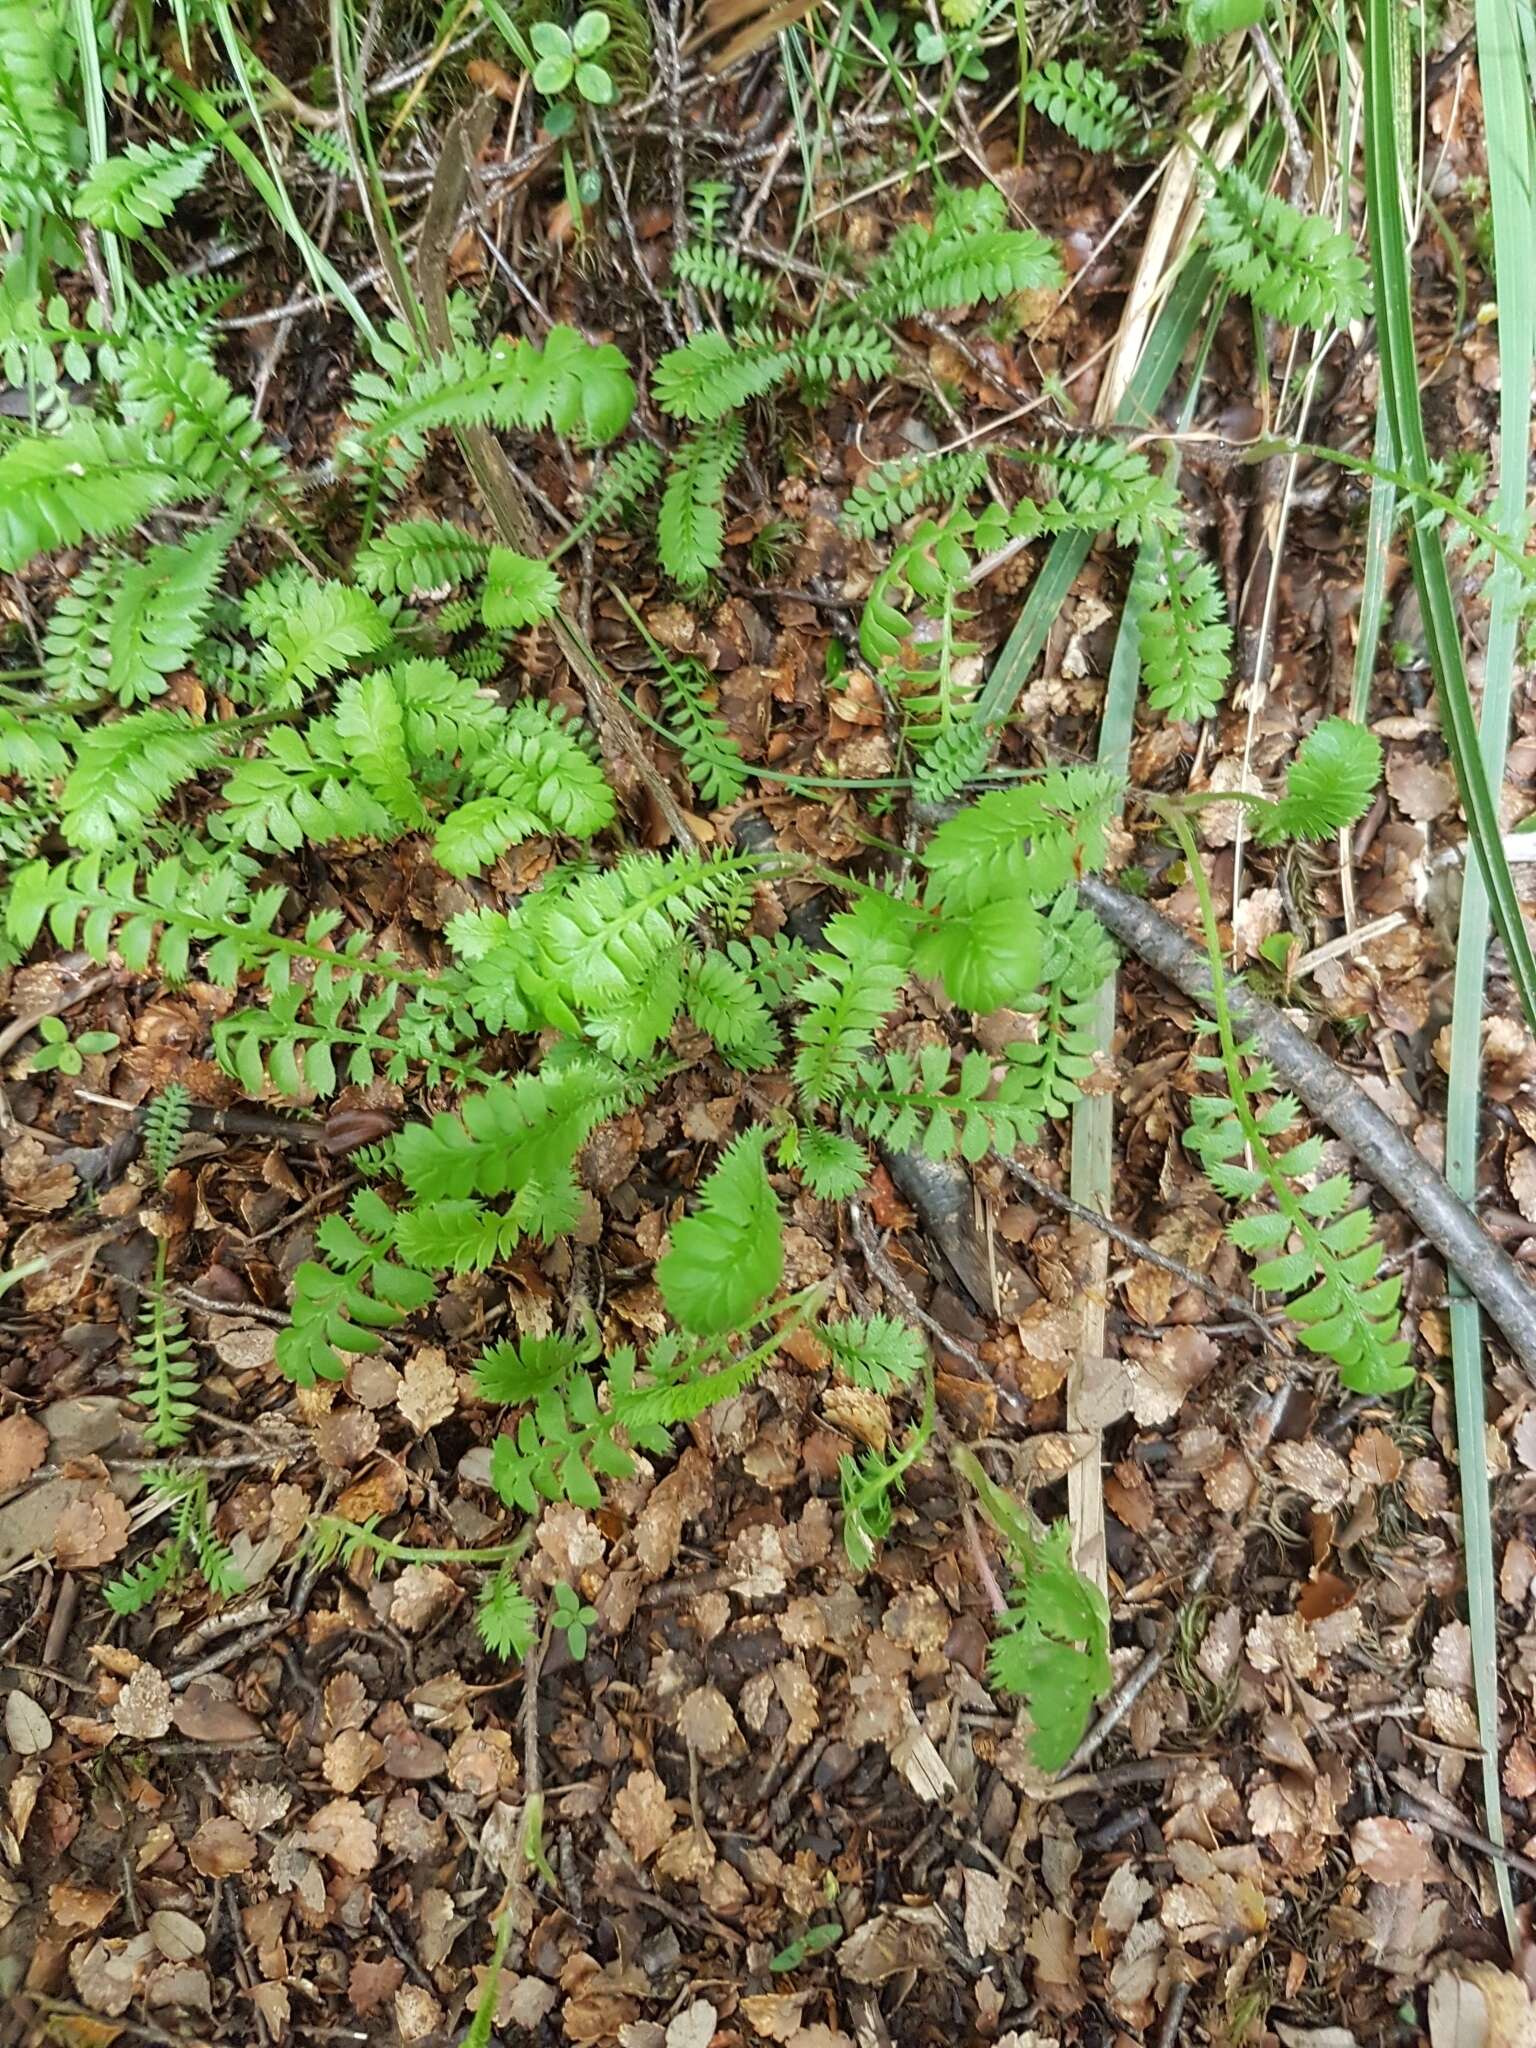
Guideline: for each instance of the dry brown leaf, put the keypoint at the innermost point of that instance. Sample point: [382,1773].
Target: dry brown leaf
[28,1729]
[774,2014]
[707,1724]
[142,1710]
[694,2026]
[91,1531]
[177,1936]
[1315,1470]
[221,1848]
[430,1392]
[896,1939]
[206,1714]
[342,1833]
[1478,2005]
[642,1815]
[350,1757]
[34,1179]
[371,1984]
[1375,1458]
[1393,1851]
[23,1448]
[986,1912]
[422,1595]
[107,1974]
[1164,1372]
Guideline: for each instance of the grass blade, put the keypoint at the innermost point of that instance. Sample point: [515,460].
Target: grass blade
[1400,387]
[1507,117]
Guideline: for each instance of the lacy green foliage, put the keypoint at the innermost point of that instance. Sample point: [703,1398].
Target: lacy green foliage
[167,1119]
[967,257]
[1186,643]
[1052,1646]
[516,1142]
[165,1384]
[192,1536]
[709,750]
[1077,959]
[723,1000]
[195,423]
[572,1433]
[728,1256]
[930,1105]
[1295,266]
[853,987]
[519,591]
[725,274]
[875,1352]
[125,770]
[39,141]
[711,375]
[1325,1260]
[414,556]
[871,1483]
[360,1291]
[1328,785]
[1026,843]
[892,492]
[1094,487]
[628,478]
[138,190]
[583,391]
[832,1166]
[1083,102]
[313,631]
[124,626]
[89,479]
[912,630]
[690,527]
[507,1622]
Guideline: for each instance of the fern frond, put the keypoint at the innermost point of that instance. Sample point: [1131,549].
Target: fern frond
[608,933]
[131,193]
[166,1121]
[37,137]
[854,988]
[925,1105]
[506,1620]
[623,483]
[166,1383]
[1053,1645]
[1186,643]
[965,258]
[723,1001]
[416,556]
[842,352]
[543,760]
[519,591]
[340,1308]
[1026,843]
[196,421]
[88,480]
[833,1167]
[1083,102]
[447,718]
[133,1589]
[870,1484]
[1097,487]
[1295,266]
[711,267]
[710,754]
[893,491]
[301,790]
[690,528]
[876,1352]
[728,1256]
[1329,784]
[126,769]
[322,628]
[711,376]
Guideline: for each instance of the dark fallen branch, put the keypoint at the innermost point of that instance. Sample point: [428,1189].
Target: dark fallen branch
[1381,1148]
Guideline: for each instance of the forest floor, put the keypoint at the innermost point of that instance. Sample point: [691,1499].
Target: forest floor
[780,1802]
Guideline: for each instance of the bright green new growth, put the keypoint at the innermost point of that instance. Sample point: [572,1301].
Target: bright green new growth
[1295,266]
[1082,100]
[1186,643]
[727,1257]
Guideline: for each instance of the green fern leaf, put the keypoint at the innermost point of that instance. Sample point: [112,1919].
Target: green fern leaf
[370,726]
[519,591]
[833,1167]
[133,1590]
[1186,643]
[194,420]
[711,267]
[728,1256]
[723,1001]
[137,191]
[126,769]
[854,988]
[302,789]
[893,491]
[323,627]
[507,1623]
[875,1352]
[166,1384]
[416,556]
[1084,103]
[1329,784]
[1024,844]
[167,1119]
[1295,266]
[89,479]
[711,376]
[690,528]
[340,1308]
[710,754]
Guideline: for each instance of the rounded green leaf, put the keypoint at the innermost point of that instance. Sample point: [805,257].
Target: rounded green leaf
[590,32]
[552,75]
[594,85]
[549,39]
[559,119]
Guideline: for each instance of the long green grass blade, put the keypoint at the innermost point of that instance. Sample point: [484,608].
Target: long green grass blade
[1511,158]
[1400,386]
[1373,586]
[95,99]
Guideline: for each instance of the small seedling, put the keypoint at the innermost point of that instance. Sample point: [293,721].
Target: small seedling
[565,58]
[58,1054]
[574,1618]
[826,1934]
